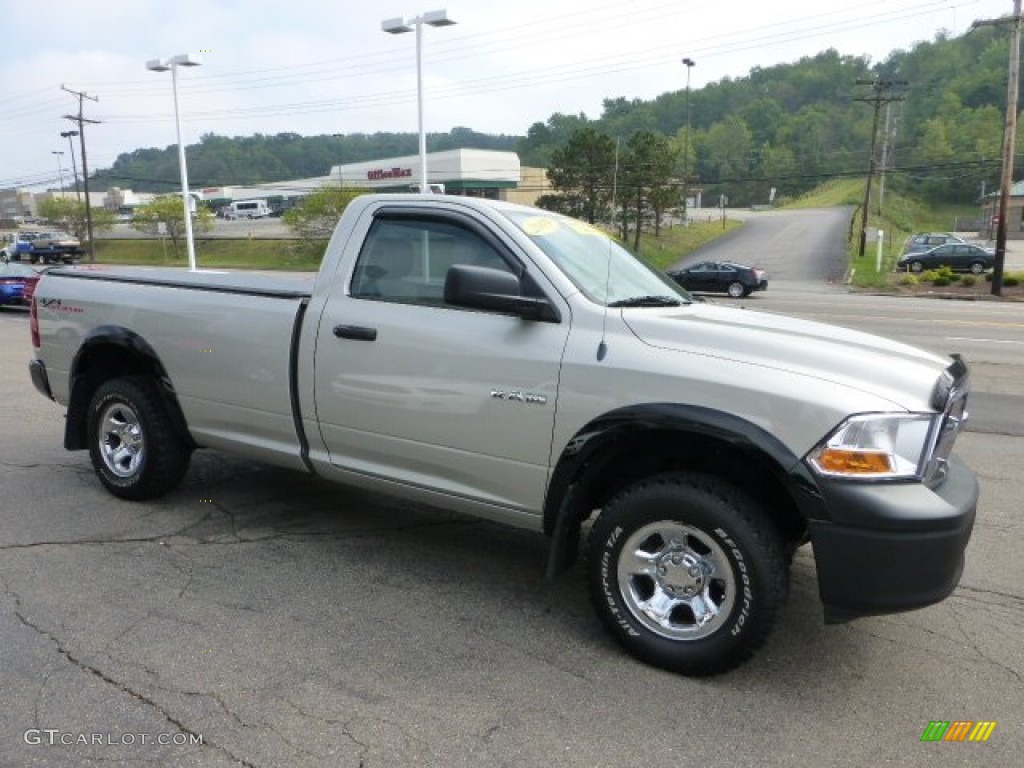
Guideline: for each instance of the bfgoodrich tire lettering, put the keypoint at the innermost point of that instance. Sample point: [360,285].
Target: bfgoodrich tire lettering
[134,449]
[686,572]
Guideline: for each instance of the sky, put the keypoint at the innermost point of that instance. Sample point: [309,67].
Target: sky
[326,67]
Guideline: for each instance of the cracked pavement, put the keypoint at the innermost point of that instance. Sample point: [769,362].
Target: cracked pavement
[290,622]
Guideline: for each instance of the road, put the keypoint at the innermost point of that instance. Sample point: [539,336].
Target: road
[289,622]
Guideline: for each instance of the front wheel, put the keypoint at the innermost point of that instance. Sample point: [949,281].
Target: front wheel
[736,290]
[686,572]
[134,448]
[977,267]
[916,266]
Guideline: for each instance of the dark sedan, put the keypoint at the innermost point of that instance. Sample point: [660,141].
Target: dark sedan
[960,257]
[17,283]
[728,277]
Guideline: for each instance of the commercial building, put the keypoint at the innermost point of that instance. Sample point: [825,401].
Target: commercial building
[469,172]
[17,204]
[1014,214]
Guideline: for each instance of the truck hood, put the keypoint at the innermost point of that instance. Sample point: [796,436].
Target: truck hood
[902,374]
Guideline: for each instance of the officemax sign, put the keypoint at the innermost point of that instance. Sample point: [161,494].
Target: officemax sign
[389,173]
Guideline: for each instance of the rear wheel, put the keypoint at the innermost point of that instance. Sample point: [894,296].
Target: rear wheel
[737,290]
[134,449]
[686,572]
[916,266]
[977,267]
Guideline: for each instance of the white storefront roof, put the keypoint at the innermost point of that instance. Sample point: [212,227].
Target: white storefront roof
[456,166]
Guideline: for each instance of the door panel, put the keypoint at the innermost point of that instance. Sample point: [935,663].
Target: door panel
[429,395]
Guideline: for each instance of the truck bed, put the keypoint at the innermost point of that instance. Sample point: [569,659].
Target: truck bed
[292,285]
[226,339]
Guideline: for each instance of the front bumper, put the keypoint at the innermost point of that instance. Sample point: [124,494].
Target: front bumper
[892,547]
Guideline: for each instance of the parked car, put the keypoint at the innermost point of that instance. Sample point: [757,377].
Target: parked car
[17,283]
[728,277]
[55,239]
[961,257]
[925,241]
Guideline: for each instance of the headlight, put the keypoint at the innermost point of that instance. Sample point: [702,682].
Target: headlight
[876,446]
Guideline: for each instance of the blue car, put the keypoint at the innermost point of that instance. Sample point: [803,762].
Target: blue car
[17,284]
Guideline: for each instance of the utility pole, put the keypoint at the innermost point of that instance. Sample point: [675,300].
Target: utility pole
[1009,138]
[882,93]
[81,120]
[885,158]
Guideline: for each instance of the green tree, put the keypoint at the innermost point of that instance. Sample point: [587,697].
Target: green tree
[726,152]
[778,167]
[70,215]
[166,215]
[583,172]
[314,219]
[647,171]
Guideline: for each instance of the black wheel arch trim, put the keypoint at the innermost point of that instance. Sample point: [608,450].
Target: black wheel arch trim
[82,382]
[578,464]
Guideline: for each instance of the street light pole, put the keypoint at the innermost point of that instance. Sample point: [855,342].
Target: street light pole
[686,144]
[60,171]
[162,65]
[399,26]
[74,166]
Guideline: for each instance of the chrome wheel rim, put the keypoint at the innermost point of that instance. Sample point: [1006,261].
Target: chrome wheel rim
[676,580]
[121,441]
[735,290]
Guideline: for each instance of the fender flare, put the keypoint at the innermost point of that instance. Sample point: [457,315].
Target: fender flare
[83,382]
[580,463]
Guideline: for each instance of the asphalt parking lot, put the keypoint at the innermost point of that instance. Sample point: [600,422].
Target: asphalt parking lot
[256,617]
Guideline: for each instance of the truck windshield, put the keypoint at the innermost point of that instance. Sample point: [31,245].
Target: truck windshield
[603,270]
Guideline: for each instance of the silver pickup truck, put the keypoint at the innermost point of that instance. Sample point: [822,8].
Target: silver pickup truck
[521,366]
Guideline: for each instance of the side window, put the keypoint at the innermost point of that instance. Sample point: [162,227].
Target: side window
[406,259]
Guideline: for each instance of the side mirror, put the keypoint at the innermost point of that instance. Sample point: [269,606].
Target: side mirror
[493,290]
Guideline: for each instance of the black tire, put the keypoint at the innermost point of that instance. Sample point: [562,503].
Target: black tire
[916,266]
[737,290]
[134,449]
[977,267]
[689,540]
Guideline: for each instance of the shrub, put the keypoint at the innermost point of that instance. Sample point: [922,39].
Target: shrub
[1010,281]
[929,276]
[941,280]
[908,280]
[968,280]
